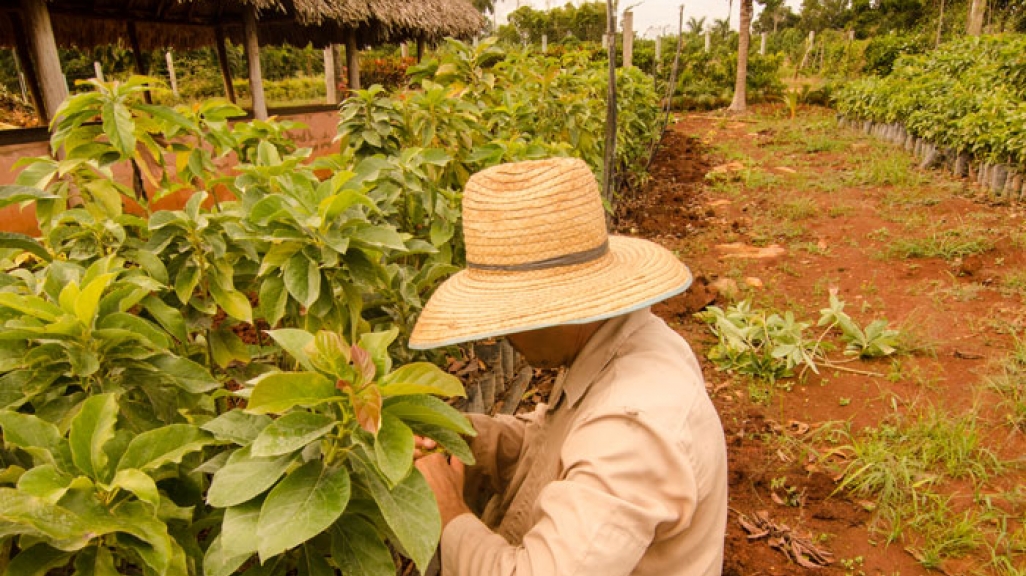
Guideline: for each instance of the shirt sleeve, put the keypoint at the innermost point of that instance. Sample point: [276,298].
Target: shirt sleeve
[496,449]
[622,479]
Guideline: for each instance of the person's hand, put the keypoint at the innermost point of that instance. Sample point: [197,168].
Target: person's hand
[446,480]
[423,447]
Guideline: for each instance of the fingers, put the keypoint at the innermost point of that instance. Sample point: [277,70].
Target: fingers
[423,446]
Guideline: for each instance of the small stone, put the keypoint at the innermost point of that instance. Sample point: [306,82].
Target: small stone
[753,282]
[726,287]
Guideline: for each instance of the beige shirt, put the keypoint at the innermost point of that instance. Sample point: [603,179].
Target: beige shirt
[627,475]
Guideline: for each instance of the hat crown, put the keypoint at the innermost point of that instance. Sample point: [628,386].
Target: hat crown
[537,211]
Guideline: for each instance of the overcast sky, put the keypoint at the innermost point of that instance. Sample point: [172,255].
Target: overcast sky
[650,16]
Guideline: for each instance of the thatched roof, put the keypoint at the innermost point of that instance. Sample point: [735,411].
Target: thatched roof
[187,24]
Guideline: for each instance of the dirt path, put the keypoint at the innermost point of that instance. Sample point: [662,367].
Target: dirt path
[784,212]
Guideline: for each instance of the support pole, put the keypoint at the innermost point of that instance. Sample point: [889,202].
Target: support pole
[353,60]
[256,80]
[43,49]
[420,49]
[223,64]
[171,72]
[708,42]
[22,56]
[331,97]
[98,71]
[137,56]
[762,45]
[609,157]
[628,39]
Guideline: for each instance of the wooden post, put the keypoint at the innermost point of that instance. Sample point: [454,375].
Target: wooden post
[256,80]
[353,60]
[222,62]
[628,39]
[22,56]
[329,75]
[708,42]
[940,23]
[404,50]
[98,71]
[171,72]
[46,61]
[762,45]
[137,55]
[420,49]
[545,43]
[659,53]
[609,156]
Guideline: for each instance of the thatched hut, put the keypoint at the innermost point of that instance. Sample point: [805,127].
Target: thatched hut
[36,27]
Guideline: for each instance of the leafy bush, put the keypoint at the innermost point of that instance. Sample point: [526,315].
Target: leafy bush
[969,96]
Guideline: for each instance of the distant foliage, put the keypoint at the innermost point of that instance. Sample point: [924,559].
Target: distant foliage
[969,95]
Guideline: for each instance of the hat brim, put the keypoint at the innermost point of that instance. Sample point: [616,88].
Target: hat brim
[475,304]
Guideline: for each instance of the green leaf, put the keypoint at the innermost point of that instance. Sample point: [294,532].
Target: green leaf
[45,482]
[154,448]
[239,527]
[37,561]
[29,514]
[313,563]
[219,562]
[226,347]
[237,426]
[233,302]
[357,548]
[245,477]
[279,392]
[119,127]
[377,343]
[91,429]
[273,298]
[291,432]
[303,279]
[33,306]
[186,281]
[409,509]
[379,237]
[15,241]
[88,300]
[186,374]
[95,561]
[429,410]
[27,431]
[393,448]
[450,441]
[421,378]
[14,193]
[137,326]
[168,317]
[303,505]
[138,483]
[295,342]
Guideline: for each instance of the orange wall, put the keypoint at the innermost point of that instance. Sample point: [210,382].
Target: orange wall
[318,134]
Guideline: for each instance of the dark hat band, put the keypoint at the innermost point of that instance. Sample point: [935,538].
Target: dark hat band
[554,262]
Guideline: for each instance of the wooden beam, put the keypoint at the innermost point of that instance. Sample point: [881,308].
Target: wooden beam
[353,60]
[331,96]
[137,55]
[256,81]
[23,54]
[222,61]
[43,49]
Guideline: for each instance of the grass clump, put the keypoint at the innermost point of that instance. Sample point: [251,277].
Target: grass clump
[800,208]
[1010,384]
[945,244]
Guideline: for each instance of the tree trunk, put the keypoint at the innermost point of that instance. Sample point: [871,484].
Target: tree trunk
[252,46]
[740,102]
[974,27]
[43,51]
[353,60]
[940,22]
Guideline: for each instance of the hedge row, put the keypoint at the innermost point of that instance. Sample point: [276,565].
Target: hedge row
[965,100]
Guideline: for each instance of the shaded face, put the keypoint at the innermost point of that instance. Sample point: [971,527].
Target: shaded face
[554,346]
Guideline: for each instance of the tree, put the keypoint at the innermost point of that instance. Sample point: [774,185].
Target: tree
[774,14]
[695,25]
[484,6]
[721,28]
[740,104]
[974,25]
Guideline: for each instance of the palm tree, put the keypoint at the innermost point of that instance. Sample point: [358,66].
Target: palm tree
[739,104]
[721,28]
[695,25]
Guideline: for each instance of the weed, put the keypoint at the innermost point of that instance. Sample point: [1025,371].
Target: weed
[814,248]
[1014,283]
[840,210]
[880,235]
[944,533]
[887,169]
[945,244]
[799,208]
[1010,384]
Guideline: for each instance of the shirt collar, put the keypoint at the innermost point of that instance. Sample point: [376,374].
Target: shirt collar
[597,353]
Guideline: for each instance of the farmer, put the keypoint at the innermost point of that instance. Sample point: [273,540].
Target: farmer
[624,471]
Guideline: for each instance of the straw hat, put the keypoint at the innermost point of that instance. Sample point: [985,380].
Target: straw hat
[538,255]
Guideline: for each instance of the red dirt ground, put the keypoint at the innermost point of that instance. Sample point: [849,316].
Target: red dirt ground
[682,209]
